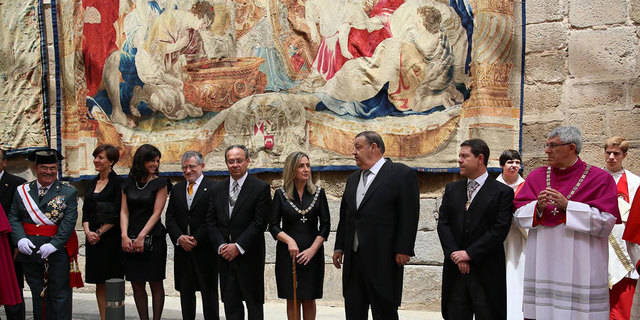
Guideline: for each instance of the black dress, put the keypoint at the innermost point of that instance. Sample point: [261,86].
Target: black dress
[104,259]
[303,229]
[145,266]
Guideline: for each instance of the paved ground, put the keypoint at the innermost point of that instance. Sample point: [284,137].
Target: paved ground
[84,307]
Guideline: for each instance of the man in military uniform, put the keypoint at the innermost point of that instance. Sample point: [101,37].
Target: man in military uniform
[43,216]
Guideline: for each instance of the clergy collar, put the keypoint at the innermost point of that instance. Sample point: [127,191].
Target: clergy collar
[574,166]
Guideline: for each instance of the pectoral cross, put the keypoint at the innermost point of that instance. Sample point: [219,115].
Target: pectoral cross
[304,219]
[555,211]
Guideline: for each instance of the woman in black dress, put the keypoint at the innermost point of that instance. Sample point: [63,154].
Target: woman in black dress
[143,236]
[302,208]
[101,223]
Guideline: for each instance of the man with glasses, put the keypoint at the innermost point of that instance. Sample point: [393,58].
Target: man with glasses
[570,208]
[236,229]
[195,266]
[43,216]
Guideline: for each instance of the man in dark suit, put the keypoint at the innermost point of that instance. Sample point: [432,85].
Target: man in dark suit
[475,216]
[195,268]
[377,230]
[43,217]
[8,185]
[236,228]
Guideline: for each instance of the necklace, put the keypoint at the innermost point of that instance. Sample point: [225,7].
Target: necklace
[584,174]
[298,210]
[145,185]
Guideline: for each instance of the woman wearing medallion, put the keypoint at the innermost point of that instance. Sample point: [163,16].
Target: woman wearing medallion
[101,223]
[300,221]
[144,195]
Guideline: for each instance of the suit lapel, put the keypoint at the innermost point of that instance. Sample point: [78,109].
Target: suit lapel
[202,189]
[33,190]
[224,196]
[377,181]
[477,208]
[180,188]
[244,193]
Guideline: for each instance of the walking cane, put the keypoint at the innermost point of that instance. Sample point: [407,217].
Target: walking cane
[295,286]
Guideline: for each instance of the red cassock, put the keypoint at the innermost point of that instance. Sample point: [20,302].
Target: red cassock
[9,290]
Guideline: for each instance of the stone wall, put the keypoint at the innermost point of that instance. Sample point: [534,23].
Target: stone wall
[581,68]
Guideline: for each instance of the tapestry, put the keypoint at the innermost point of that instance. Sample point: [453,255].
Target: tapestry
[24,120]
[285,75]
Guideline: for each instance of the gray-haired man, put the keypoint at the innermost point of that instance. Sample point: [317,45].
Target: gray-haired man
[195,266]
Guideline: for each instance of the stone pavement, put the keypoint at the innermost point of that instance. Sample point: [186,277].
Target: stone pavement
[85,308]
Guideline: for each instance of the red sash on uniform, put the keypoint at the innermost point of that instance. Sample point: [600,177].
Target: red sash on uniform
[47,230]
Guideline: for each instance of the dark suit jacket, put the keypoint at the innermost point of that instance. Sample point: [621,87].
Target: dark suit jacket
[68,208]
[245,227]
[481,232]
[179,216]
[387,223]
[8,185]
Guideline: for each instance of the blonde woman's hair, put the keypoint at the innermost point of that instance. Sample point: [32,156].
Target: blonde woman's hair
[289,174]
[619,142]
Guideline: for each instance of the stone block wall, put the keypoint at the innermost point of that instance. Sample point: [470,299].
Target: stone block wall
[582,63]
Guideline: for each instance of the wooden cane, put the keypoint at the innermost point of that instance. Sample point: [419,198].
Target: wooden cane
[295,286]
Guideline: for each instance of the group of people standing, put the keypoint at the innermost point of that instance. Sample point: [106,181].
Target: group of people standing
[534,248]
[541,247]
[217,228]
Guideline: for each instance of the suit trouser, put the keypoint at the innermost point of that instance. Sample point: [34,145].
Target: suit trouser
[234,294]
[360,293]
[208,290]
[58,294]
[467,298]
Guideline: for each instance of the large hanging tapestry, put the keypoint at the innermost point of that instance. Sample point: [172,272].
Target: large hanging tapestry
[286,75]
[24,119]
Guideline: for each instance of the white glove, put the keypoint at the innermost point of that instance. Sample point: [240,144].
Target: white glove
[46,249]
[25,245]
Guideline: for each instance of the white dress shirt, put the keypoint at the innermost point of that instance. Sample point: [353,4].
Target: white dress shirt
[195,189]
[240,183]
[480,180]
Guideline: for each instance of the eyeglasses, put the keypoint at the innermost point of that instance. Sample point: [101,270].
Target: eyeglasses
[238,161]
[553,145]
[190,166]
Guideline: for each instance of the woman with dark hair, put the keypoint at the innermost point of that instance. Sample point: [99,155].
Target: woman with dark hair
[101,223]
[302,208]
[516,240]
[144,194]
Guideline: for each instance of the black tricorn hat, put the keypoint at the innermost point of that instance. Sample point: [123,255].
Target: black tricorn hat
[45,156]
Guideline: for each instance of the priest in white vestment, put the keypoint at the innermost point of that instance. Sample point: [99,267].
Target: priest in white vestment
[622,274]
[570,208]
[516,240]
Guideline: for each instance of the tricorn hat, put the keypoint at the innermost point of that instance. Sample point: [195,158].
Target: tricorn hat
[45,156]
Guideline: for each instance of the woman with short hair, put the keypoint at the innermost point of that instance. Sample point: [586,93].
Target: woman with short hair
[101,223]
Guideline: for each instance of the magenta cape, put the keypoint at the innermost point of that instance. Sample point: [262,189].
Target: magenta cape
[597,190]
[9,290]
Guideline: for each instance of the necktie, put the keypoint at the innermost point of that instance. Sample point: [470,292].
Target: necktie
[42,192]
[365,177]
[472,185]
[233,196]
[190,188]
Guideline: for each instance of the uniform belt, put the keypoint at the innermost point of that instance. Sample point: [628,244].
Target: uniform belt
[45,230]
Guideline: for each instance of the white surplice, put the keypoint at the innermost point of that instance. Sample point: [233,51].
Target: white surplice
[565,269]
[514,246]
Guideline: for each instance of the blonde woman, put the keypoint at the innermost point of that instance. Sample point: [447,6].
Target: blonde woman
[300,223]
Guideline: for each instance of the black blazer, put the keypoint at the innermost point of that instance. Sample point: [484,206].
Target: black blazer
[8,185]
[387,223]
[179,216]
[480,231]
[245,227]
